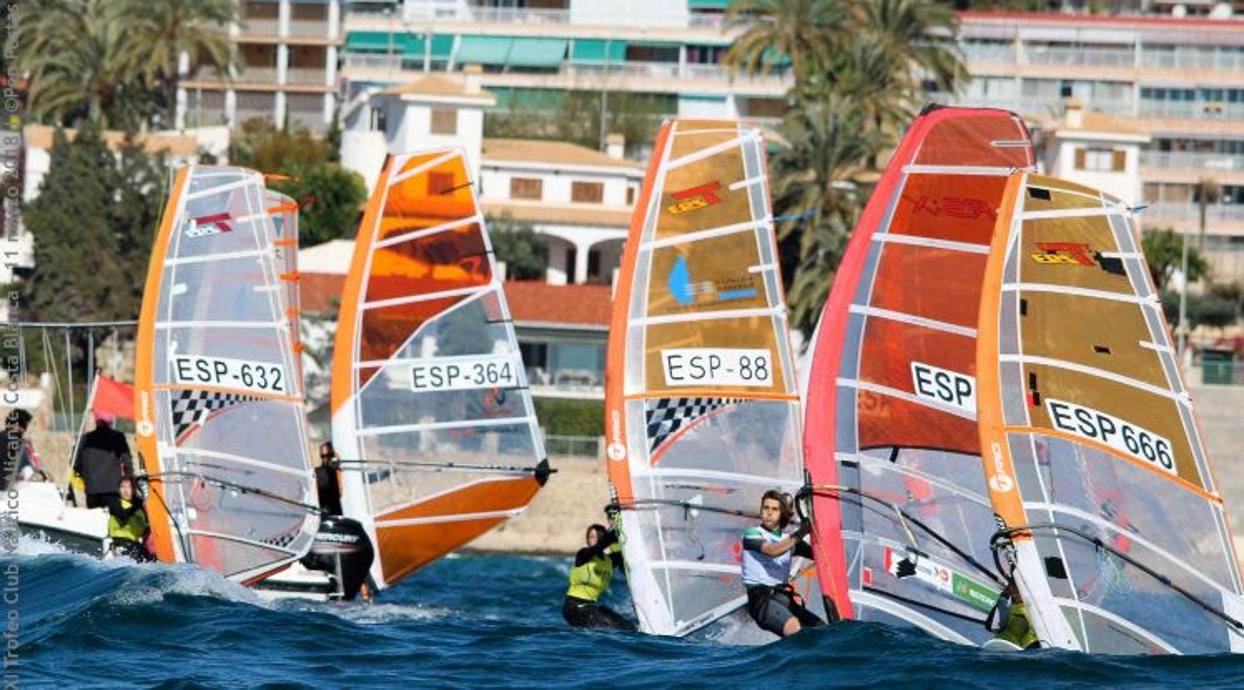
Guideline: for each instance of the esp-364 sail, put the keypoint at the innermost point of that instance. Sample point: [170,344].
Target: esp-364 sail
[431,412]
[1112,518]
[218,389]
[902,517]
[702,407]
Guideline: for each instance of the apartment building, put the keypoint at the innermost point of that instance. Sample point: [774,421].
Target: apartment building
[1177,81]
[286,54]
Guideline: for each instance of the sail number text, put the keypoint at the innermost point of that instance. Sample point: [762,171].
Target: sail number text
[464,374]
[226,372]
[1119,434]
[717,366]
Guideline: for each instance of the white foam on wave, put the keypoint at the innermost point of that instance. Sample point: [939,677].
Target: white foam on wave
[362,613]
[158,580]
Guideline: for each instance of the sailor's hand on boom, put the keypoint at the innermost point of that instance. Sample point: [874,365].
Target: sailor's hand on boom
[788,542]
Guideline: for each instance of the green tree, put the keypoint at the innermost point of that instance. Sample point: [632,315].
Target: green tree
[168,28]
[83,64]
[805,32]
[329,196]
[92,225]
[827,143]
[1163,250]
[525,253]
[919,33]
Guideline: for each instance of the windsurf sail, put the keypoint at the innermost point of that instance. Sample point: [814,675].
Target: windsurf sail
[1111,515]
[902,519]
[701,395]
[431,411]
[219,402]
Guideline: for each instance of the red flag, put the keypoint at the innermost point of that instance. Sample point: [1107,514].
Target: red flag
[113,399]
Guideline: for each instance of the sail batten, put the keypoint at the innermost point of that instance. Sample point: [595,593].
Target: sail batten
[428,388]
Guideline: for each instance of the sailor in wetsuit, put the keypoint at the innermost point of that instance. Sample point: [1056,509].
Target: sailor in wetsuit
[127,523]
[326,486]
[589,578]
[771,600]
[1009,619]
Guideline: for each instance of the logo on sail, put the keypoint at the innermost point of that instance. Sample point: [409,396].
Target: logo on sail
[687,292]
[694,198]
[952,207]
[205,226]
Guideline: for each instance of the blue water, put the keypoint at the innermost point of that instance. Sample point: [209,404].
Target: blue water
[472,622]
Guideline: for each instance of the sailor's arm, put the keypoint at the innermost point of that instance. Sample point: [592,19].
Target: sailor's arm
[779,547]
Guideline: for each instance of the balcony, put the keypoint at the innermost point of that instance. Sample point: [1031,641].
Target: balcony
[305,76]
[1193,59]
[1191,110]
[988,52]
[1181,211]
[566,383]
[1080,56]
[309,28]
[260,26]
[256,75]
[1194,160]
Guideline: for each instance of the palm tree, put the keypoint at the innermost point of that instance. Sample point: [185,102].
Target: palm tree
[169,28]
[82,63]
[919,33]
[804,31]
[827,143]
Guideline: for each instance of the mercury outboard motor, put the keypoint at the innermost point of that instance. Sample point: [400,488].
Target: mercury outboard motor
[341,549]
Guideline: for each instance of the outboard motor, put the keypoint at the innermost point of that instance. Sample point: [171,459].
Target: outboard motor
[343,550]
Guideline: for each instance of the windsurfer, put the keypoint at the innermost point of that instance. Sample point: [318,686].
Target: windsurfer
[103,458]
[127,523]
[771,600]
[589,578]
[1009,619]
[326,483]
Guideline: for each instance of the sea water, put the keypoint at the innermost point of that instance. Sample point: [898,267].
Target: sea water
[471,621]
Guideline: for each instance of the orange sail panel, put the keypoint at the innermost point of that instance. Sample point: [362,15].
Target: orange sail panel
[219,398]
[702,409]
[902,516]
[1095,464]
[431,412]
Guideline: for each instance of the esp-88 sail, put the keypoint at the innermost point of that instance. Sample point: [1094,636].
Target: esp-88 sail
[431,412]
[702,407]
[218,390]
[1095,465]
[902,517]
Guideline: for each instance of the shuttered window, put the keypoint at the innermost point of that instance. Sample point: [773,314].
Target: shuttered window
[526,188]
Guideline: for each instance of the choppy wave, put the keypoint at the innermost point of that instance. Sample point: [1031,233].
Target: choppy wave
[471,622]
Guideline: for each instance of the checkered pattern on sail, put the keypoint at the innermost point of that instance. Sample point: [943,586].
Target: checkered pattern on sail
[191,407]
[665,416]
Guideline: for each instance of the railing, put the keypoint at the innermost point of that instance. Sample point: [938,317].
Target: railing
[988,52]
[656,70]
[511,15]
[1086,56]
[1193,59]
[1196,110]
[576,446]
[315,28]
[256,75]
[244,114]
[1198,160]
[305,75]
[258,26]
[1179,210]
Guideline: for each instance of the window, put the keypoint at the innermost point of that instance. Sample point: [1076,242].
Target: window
[1101,160]
[587,192]
[526,188]
[630,196]
[444,121]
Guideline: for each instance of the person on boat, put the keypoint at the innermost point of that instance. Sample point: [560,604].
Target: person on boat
[766,559]
[589,578]
[127,523]
[326,483]
[19,460]
[1009,619]
[103,458]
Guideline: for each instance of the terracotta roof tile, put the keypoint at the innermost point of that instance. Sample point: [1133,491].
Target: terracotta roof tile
[433,85]
[547,151]
[41,137]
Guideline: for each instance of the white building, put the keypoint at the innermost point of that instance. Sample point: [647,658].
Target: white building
[580,198]
[1096,150]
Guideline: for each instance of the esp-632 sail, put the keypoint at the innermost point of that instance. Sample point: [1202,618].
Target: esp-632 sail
[431,412]
[902,517]
[701,402]
[1113,521]
[218,389]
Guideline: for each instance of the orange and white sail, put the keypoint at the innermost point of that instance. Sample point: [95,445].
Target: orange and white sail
[430,408]
[219,399]
[1111,515]
[701,398]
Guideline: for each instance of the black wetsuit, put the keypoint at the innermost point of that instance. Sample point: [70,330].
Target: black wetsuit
[327,488]
[593,568]
[103,458]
